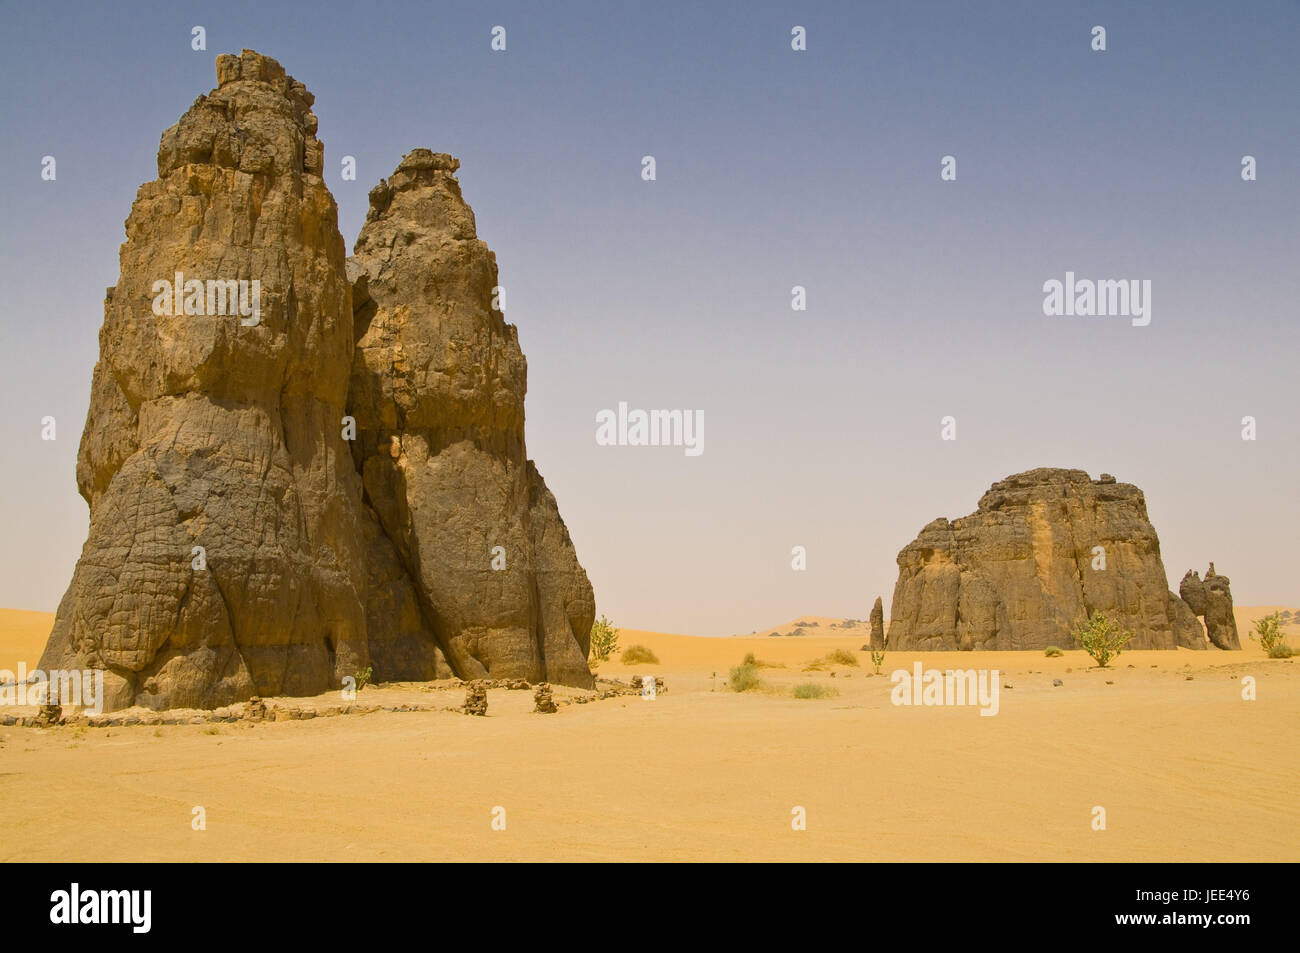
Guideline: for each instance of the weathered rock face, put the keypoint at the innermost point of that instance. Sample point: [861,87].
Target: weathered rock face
[438,385]
[878,625]
[1212,598]
[223,430]
[1022,570]
[1188,631]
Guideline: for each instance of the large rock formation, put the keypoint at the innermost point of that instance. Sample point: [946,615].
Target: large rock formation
[438,386]
[1043,550]
[230,551]
[1212,598]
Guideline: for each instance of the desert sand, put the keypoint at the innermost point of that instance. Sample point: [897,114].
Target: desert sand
[1185,768]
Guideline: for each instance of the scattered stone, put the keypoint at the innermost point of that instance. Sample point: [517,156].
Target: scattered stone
[1057,683]
[542,700]
[476,699]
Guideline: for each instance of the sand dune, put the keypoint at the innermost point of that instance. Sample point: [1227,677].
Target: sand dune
[22,636]
[1185,769]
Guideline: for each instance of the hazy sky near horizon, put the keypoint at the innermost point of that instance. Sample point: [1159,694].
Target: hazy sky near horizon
[775,168]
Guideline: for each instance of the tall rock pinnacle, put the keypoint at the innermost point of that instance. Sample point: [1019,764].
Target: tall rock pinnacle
[438,387]
[230,550]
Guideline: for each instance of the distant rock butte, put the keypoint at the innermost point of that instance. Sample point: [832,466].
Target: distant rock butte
[323,556]
[1018,573]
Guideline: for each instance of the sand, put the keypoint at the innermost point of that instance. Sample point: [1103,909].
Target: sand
[1185,769]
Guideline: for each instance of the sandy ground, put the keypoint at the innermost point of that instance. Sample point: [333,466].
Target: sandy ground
[1185,769]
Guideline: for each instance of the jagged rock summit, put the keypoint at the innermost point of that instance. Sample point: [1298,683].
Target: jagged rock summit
[242,540]
[1043,550]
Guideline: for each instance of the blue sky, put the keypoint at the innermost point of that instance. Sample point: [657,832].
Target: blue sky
[775,169]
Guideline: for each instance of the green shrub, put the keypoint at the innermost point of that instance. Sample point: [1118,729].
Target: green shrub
[1268,633]
[604,641]
[363,678]
[744,678]
[639,655]
[877,659]
[1053,652]
[813,690]
[1101,638]
[1281,650]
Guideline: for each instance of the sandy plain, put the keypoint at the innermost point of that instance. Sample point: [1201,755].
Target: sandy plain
[1185,768]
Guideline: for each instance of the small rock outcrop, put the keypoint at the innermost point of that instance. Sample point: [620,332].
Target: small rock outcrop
[243,540]
[1043,550]
[1211,598]
[543,702]
[476,698]
[878,625]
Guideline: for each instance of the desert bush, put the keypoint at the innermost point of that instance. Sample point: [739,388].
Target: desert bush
[1268,633]
[1053,652]
[837,657]
[813,690]
[1101,638]
[877,659]
[363,678]
[744,678]
[604,641]
[639,655]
